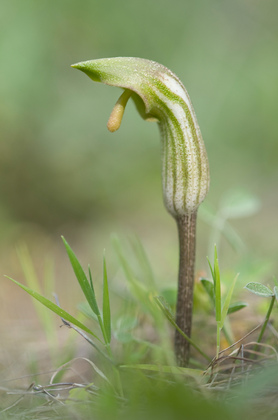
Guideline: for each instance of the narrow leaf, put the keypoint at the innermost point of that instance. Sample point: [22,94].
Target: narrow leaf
[54,308]
[86,310]
[227,302]
[237,306]
[208,286]
[211,270]
[217,288]
[32,282]
[166,309]
[106,304]
[259,289]
[276,292]
[163,305]
[82,279]
[128,272]
[97,312]
[143,261]
[166,369]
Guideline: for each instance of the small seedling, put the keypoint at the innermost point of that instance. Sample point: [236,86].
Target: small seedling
[260,289]
[222,308]
[103,317]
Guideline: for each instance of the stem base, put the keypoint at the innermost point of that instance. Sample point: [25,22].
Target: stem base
[187,240]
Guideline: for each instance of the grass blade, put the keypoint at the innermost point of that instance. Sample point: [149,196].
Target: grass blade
[208,286]
[106,304]
[54,308]
[226,305]
[32,282]
[82,279]
[163,305]
[128,272]
[96,311]
[196,373]
[217,288]
[144,262]
[211,270]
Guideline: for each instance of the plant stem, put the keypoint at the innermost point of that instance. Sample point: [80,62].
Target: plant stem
[218,339]
[264,325]
[266,319]
[187,239]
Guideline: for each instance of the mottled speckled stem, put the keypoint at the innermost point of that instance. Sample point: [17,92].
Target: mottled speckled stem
[187,234]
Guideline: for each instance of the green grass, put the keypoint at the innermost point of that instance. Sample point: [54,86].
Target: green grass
[136,376]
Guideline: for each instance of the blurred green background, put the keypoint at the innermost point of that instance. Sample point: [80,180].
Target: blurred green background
[62,172]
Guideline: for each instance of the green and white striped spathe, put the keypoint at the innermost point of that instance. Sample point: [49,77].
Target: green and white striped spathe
[159,95]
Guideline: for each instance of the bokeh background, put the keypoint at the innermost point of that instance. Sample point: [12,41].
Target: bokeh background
[63,173]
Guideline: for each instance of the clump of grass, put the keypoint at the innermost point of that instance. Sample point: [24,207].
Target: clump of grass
[114,376]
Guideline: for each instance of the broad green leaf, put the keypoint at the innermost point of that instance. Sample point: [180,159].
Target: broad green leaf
[106,304]
[55,308]
[208,286]
[237,306]
[259,289]
[82,279]
[227,302]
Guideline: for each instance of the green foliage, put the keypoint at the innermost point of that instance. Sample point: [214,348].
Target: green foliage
[116,380]
[222,308]
[106,305]
[54,308]
[235,204]
[82,279]
[44,178]
[226,305]
[33,283]
[163,305]
[236,306]
[259,289]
